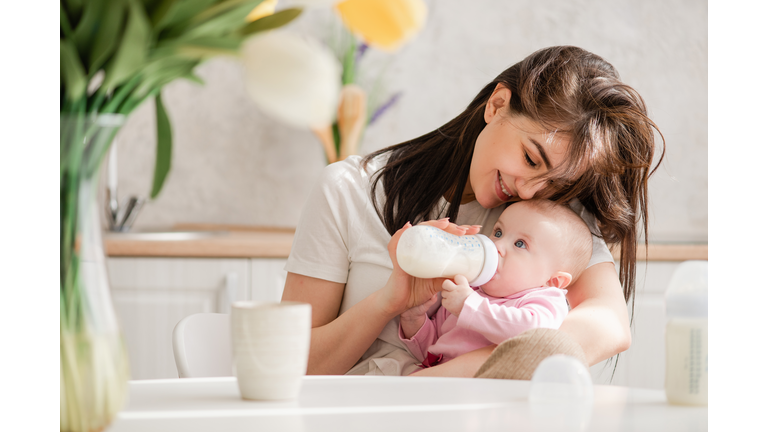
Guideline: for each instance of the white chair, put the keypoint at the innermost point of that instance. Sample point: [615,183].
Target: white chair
[202,346]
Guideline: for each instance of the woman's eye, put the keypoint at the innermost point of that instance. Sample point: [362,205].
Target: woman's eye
[497,233]
[520,244]
[529,161]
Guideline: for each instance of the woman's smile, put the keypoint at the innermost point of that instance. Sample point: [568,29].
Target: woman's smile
[502,190]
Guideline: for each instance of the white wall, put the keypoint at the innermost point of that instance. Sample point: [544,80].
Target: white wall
[231,164]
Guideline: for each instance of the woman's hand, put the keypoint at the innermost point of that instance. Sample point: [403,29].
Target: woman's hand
[403,291]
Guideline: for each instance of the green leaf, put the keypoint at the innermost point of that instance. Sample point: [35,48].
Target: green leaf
[163,158]
[107,35]
[72,71]
[151,5]
[132,52]
[278,19]
[225,23]
[175,15]
[73,8]
[87,26]
[121,93]
[225,6]
[65,26]
[162,13]
[194,78]
[162,71]
[206,47]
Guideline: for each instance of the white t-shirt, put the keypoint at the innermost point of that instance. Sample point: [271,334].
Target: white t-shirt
[340,238]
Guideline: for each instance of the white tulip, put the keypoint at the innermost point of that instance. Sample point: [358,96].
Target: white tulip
[292,78]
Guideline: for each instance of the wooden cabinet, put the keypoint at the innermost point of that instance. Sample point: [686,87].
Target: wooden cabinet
[151,295]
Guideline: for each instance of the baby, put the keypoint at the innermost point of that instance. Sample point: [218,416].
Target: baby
[543,247]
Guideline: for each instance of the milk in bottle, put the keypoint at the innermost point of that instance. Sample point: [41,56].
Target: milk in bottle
[428,252]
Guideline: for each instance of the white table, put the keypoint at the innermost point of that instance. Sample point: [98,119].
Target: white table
[346,403]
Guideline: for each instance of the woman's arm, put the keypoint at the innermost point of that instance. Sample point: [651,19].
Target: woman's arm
[598,320]
[337,342]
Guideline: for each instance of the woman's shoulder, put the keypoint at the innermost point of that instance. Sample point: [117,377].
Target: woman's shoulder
[347,183]
[353,170]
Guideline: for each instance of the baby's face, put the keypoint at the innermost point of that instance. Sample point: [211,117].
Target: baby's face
[529,252]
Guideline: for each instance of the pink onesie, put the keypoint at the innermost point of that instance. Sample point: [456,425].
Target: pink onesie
[486,320]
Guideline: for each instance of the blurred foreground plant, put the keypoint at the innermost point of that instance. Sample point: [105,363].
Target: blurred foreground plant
[114,55]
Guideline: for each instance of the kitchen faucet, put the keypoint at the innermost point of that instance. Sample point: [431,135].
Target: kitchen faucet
[119,217]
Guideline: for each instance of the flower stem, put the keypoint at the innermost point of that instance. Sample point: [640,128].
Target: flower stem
[349,67]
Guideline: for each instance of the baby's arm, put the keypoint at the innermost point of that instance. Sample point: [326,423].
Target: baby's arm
[455,294]
[412,319]
[499,322]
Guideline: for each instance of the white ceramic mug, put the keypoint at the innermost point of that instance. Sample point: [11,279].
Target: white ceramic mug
[270,348]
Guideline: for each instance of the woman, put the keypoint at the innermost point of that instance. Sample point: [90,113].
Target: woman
[558,125]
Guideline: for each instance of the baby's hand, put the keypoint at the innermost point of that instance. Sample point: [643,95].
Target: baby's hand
[454,294]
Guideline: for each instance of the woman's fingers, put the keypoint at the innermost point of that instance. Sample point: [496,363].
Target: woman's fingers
[472,229]
[438,223]
[446,225]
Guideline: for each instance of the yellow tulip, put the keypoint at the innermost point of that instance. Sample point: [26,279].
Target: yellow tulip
[265,8]
[385,24]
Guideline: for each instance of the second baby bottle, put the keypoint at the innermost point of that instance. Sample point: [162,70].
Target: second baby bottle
[428,252]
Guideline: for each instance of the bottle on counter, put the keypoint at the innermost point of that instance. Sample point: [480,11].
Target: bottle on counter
[686,381]
[428,252]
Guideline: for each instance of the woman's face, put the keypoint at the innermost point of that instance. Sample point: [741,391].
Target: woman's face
[509,152]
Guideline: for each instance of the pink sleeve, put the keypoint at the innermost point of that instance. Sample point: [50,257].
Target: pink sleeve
[427,335]
[498,322]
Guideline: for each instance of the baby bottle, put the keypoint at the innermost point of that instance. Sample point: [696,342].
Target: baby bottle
[686,379]
[428,252]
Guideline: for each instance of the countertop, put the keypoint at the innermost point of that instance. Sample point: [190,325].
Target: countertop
[234,241]
[378,403]
[216,241]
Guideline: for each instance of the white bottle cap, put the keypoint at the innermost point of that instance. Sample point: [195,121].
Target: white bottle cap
[686,295]
[490,264]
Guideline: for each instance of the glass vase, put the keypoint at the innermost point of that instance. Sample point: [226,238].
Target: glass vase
[93,359]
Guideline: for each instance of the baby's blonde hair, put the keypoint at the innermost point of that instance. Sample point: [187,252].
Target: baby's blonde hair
[577,238]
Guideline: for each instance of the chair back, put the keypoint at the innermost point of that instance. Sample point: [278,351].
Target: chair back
[202,346]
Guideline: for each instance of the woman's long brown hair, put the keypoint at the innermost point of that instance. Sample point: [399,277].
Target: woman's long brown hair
[572,93]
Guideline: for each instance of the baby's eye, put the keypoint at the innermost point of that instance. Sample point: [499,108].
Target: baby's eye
[497,233]
[521,244]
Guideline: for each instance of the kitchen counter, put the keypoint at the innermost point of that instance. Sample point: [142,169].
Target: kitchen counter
[214,241]
[232,241]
